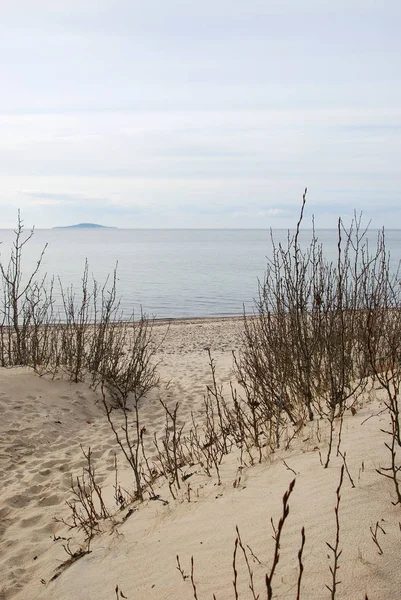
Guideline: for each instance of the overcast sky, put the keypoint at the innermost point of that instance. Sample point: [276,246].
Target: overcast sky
[215,113]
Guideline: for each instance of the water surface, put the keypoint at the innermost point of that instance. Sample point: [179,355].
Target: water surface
[170,272]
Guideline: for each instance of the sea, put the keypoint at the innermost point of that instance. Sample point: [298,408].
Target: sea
[169,273]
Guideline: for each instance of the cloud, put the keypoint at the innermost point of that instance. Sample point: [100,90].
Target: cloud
[272,212]
[200,111]
[57,199]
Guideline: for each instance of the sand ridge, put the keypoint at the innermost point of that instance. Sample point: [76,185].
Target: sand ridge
[43,424]
[45,421]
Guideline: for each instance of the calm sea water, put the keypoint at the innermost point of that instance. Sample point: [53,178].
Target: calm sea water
[170,273]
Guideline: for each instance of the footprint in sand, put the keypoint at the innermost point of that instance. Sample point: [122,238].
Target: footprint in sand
[47,529]
[43,474]
[51,500]
[64,468]
[24,523]
[110,466]
[10,544]
[47,465]
[4,512]
[18,501]
[59,445]
[65,482]
[34,490]
[13,431]
[4,524]
[96,453]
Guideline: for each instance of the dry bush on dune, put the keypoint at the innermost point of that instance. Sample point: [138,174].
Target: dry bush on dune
[20,301]
[319,329]
[86,505]
[89,339]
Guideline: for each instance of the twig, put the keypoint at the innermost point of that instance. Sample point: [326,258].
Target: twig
[374,533]
[343,456]
[121,595]
[180,569]
[277,535]
[301,566]
[235,568]
[375,415]
[192,579]
[289,468]
[250,572]
[394,469]
[335,549]
[253,555]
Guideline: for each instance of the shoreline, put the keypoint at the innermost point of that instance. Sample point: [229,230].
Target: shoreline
[185,320]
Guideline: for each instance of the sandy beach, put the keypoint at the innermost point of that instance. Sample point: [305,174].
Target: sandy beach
[44,423]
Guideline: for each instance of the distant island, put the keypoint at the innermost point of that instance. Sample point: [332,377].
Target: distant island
[84,226]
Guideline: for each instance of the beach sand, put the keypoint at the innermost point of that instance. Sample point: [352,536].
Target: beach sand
[44,423]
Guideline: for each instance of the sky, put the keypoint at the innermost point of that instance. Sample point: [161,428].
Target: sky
[172,113]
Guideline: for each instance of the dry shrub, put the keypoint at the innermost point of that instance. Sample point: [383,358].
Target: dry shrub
[319,328]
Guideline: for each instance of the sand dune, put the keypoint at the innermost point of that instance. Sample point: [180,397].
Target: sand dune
[43,424]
